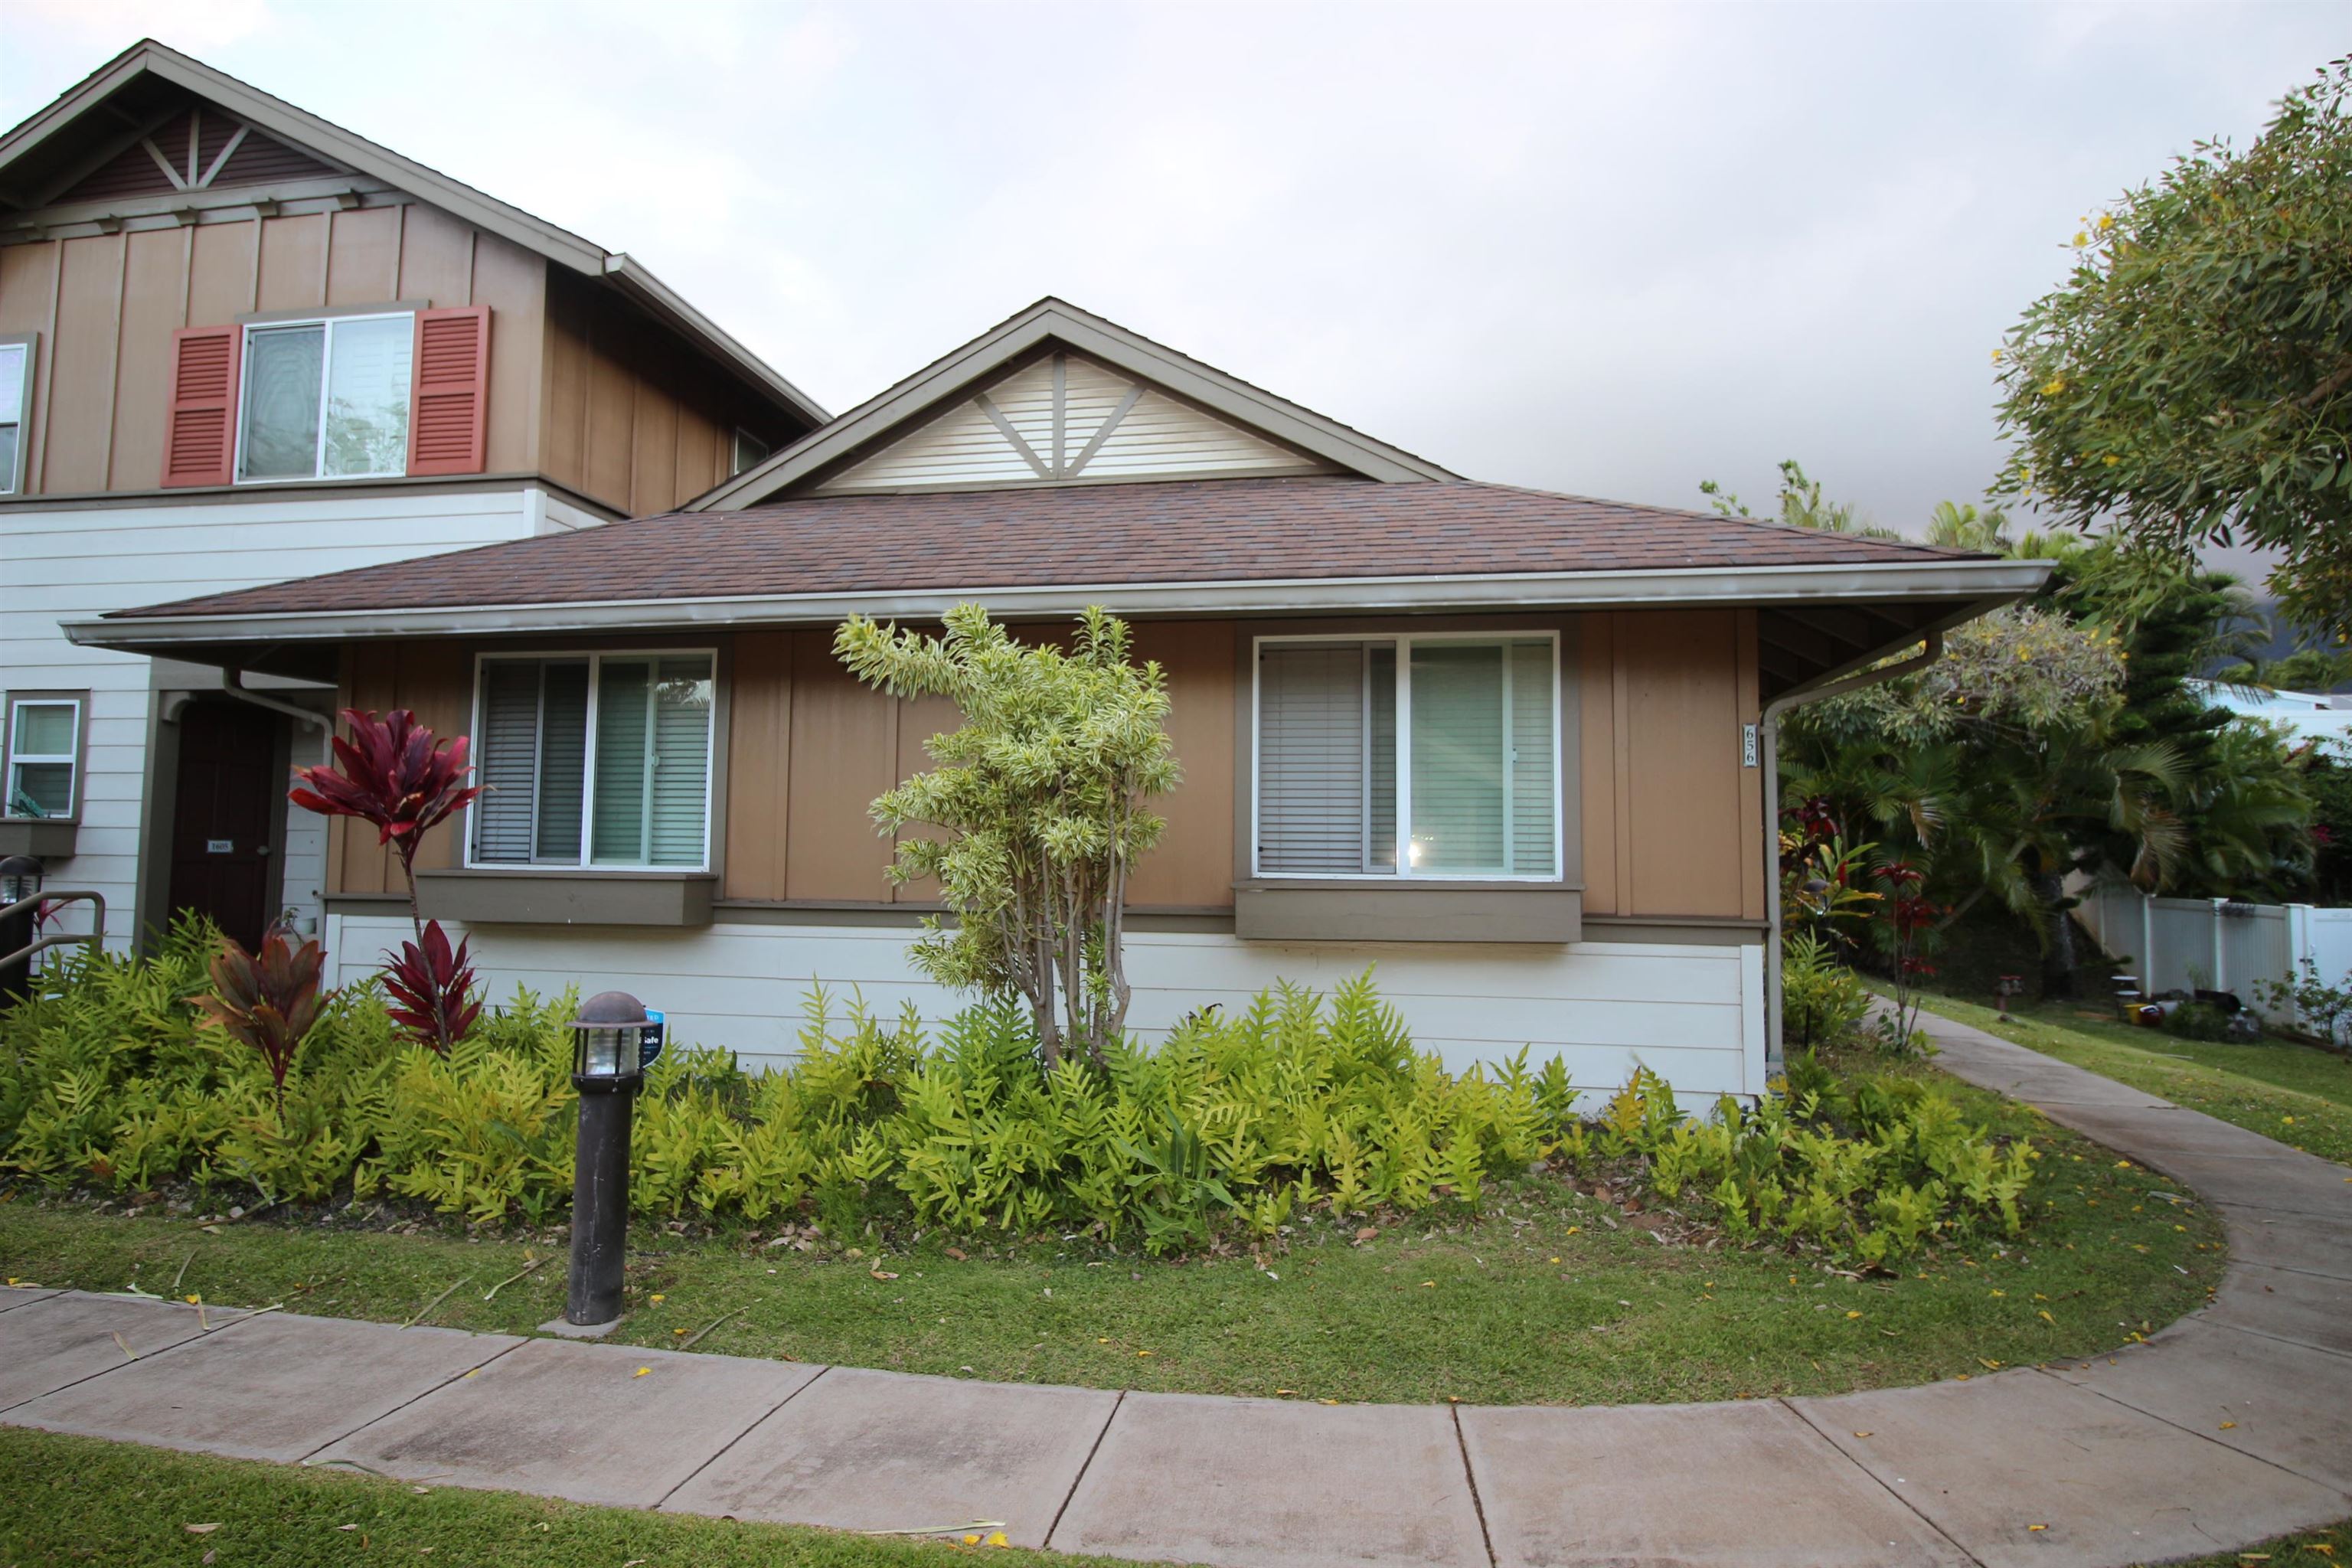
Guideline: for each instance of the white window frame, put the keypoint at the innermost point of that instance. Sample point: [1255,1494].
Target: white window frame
[595,658]
[735,452]
[328,320]
[72,758]
[1404,872]
[12,480]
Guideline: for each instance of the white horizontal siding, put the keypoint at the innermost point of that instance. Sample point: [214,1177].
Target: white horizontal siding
[1693,1014]
[1159,438]
[70,564]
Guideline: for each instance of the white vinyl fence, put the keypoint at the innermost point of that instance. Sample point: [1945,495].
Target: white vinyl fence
[2188,944]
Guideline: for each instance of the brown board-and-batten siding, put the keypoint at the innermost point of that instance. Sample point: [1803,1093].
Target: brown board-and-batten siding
[1672,818]
[633,418]
[106,307]
[1671,826]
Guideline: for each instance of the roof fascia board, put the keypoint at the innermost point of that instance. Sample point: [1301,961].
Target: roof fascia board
[1970,581]
[1011,341]
[283,119]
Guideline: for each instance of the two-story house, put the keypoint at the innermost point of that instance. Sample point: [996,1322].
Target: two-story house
[240,345]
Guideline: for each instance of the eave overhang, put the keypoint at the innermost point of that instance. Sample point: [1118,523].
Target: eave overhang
[1939,587]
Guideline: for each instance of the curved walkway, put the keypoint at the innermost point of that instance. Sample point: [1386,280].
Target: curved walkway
[2231,1425]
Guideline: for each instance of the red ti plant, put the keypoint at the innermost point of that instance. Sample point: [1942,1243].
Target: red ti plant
[432,989]
[394,773]
[1910,923]
[270,1001]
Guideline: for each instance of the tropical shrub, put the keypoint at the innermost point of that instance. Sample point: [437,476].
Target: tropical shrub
[1822,1001]
[1870,1174]
[1233,1126]
[1040,807]
[2197,1021]
[394,774]
[268,1001]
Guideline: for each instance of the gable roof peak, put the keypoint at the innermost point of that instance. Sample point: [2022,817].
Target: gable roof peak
[28,155]
[1034,332]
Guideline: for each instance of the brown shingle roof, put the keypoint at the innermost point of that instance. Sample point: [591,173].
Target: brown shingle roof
[1194,531]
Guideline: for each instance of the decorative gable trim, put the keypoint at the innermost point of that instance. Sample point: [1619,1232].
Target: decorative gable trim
[1063,419]
[1315,443]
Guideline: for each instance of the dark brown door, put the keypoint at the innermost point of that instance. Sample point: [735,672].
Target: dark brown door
[223,804]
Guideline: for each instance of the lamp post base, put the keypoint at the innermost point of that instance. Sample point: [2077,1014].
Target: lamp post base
[565,1329]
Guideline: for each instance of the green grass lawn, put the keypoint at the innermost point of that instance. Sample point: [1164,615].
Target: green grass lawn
[2298,1094]
[277,1516]
[1546,1297]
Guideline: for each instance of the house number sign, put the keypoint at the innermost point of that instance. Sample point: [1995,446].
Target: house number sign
[220,846]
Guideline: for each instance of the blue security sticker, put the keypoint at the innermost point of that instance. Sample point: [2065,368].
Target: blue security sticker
[651,1038]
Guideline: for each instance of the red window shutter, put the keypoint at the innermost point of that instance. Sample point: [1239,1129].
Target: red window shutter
[200,421]
[449,407]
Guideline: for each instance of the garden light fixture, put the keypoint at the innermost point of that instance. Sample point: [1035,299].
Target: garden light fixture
[20,883]
[612,1041]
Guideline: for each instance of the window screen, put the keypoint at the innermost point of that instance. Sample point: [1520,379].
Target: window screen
[611,753]
[1465,759]
[327,399]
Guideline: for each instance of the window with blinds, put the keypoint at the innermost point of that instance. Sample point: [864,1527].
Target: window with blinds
[1413,756]
[594,760]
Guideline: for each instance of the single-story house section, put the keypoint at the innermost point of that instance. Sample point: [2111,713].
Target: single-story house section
[1503,745]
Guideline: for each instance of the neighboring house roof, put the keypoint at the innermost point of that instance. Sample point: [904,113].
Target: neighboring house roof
[38,160]
[1022,339]
[1207,541]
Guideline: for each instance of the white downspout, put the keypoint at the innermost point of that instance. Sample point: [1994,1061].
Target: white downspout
[1770,725]
[234,685]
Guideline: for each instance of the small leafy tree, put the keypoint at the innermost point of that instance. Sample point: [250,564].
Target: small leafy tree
[394,773]
[268,1000]
[1040,807]
[2193,379]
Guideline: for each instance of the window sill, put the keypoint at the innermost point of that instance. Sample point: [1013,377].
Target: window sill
[1312,910]
[525,897]
[43,837]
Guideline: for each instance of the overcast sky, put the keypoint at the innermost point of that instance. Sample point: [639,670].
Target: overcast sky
[1611,251]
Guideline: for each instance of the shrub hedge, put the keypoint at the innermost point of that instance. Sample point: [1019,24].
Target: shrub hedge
[1238,1121]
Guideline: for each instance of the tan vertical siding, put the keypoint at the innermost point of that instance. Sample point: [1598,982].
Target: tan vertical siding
[156,275]
[652,465]
[293,263]
[1192,867]
[1752,846]
[612,416]
[758,752]
[221,273]
[436,258]
[513,283]
[1597,760]
[632,419]
[80,402]
[845,739]
[364,256]
[1681,740]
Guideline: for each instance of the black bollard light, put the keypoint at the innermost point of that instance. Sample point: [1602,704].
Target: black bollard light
[608,1057]
[20,883]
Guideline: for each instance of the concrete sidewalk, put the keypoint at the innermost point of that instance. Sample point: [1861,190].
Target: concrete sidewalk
[2233,1425]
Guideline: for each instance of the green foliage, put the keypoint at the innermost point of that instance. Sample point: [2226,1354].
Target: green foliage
[2192,378]
[1870,1175]
[2197,1021]
[1801,505]
[1038,806]
[1822,1000]
[1232,1127]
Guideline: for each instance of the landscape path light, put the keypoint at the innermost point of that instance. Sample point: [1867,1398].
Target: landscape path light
[613,1040]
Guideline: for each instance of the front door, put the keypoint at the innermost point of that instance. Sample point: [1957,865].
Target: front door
[223,809]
